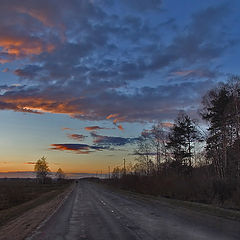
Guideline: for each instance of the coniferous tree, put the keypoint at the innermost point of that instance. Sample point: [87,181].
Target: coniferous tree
[221,109]
[182,138]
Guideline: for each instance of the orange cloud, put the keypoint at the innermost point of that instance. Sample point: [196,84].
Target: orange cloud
[66,128]
[38,105]
[93,128]
[120,127]
[37,14]
[23,46]
[5,70]
[42,103]
[116,119]
[2,61]
[112,116]
[167,124]
[78,137]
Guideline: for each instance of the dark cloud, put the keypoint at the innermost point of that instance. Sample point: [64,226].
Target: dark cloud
[197,73]
[109,141]
[143,5]
[33,28]
[86,60]
[199,42]
[29,71]
[147,103]
[143,154]
[5,87]
[76,148]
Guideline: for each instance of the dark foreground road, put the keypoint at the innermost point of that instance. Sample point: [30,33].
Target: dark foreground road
[94,212]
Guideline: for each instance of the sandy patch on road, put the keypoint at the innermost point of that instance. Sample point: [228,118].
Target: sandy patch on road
[24,225]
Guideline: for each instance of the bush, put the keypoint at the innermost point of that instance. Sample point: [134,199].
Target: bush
[198,187]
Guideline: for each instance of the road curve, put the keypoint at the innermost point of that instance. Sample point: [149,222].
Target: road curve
[96,213]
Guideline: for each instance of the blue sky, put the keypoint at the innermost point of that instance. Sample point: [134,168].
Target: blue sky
[117,65]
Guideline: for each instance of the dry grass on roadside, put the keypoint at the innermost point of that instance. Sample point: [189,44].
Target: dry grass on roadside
[19,195]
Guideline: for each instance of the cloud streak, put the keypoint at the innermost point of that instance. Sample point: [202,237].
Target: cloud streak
[94,128]
[76,148]
[77,137]
[109,141]
[160,103]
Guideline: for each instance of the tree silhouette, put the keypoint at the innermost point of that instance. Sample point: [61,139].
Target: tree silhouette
[182,137]
[60,174]
[221,109]
[42,170]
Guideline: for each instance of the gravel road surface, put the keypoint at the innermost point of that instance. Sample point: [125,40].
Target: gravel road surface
[95,212]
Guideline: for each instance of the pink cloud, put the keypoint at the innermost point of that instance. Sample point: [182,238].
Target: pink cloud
[66,128]
[5,70]
[93,128]
[78,137]
[183,73]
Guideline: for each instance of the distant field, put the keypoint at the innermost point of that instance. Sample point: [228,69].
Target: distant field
[19,195]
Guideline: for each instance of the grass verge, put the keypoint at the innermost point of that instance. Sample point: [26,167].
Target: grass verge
[9,214]
[194,206]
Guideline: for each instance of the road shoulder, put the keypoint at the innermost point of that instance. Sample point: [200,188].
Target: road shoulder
[22,226]
[192,206]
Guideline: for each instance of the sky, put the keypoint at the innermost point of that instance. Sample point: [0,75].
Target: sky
[81,79]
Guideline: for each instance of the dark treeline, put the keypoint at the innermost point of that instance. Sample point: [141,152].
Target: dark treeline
[188,162]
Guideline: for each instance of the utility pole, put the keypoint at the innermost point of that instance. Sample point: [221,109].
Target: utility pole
[101,173]
[109,172]
[124,166]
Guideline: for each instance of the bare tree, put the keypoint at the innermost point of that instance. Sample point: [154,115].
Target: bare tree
[159,144]
[145,154]
[42,170]
[60,174]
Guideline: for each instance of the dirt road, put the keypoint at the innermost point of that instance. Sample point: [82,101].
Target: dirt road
[96,213]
